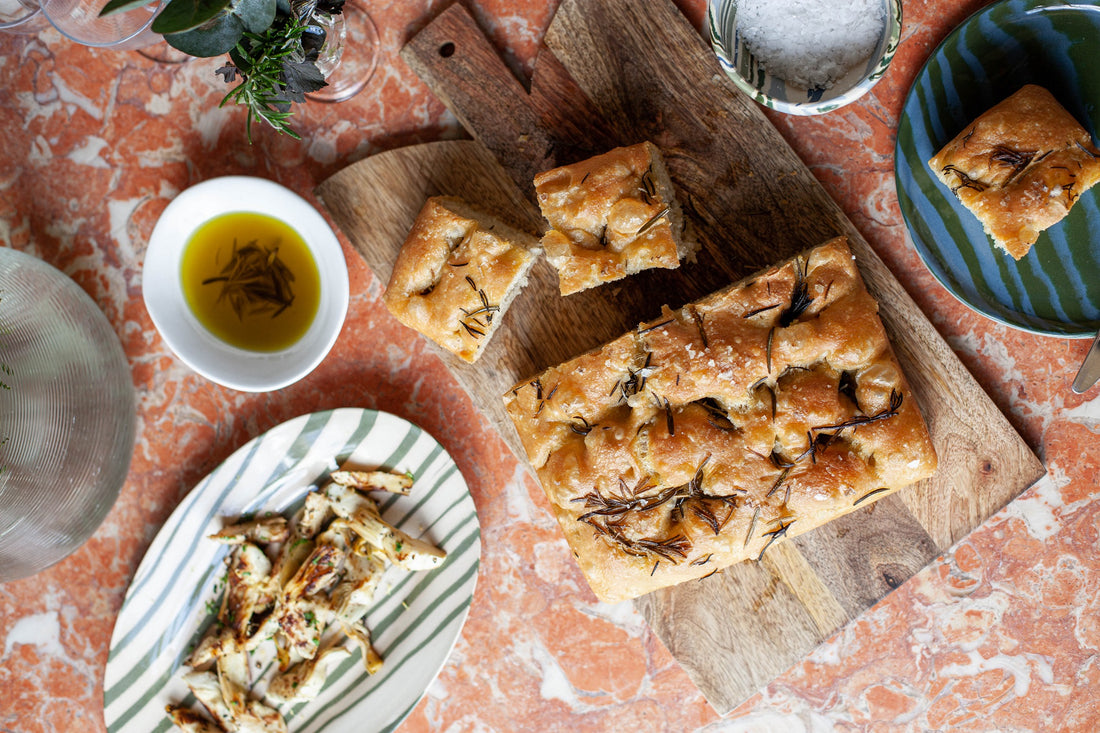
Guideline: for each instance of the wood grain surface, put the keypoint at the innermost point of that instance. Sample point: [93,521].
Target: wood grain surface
[618,72]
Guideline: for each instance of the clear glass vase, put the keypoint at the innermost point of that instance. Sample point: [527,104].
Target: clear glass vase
[66,415]
[349,55]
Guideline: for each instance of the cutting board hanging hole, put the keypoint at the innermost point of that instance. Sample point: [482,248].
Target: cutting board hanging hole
[447,50]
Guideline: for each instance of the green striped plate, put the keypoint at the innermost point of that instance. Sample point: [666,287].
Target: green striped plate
[414,626]
[1055,289]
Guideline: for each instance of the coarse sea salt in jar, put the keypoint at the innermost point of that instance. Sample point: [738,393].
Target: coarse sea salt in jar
[804,56]
[810,43]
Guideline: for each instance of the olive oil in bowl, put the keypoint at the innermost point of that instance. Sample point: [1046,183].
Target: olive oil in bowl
[251,281]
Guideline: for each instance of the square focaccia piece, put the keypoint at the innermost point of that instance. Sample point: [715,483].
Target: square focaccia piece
[1020,167]
[611,216]
[457,273]
[697,440]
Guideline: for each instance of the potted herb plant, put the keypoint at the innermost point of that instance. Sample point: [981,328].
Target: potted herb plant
[273,45]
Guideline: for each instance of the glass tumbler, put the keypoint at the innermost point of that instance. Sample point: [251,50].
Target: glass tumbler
[79,21]
[22,17]
[66,415]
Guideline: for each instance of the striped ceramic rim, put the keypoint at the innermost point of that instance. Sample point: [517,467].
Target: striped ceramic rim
[1054,290]
[414,626]
[771,91]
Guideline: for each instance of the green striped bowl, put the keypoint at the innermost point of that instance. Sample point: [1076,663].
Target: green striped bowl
[1055,289]
[743,68]
[414,626]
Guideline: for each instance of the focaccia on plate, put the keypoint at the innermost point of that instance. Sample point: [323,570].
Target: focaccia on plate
[1020,167]
[697,440]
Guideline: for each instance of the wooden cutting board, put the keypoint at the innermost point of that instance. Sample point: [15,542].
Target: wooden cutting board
[619,72]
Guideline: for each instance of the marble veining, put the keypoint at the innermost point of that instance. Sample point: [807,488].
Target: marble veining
[1001,633]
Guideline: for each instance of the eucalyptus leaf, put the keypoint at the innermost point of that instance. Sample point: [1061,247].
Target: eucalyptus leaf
[121,6]
[257,15]
[213,38]
[184,15]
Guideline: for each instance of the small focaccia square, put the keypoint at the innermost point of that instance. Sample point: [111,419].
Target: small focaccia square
[1020,167]
[696,441]
[611,216]
[457,273]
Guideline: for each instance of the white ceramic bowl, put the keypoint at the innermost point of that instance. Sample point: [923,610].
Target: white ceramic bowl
[771,91]
[248,371]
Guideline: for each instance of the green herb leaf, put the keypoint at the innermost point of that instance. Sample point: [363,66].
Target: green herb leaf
[256,15]
[301,78]
[219,33]
[184,15]
[261,59]
[121,6]
[214,38]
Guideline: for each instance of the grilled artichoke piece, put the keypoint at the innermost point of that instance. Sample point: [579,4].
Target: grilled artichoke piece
[301,623]
[394,483]
[319,572]
[303,611]
[307,522]
[189,721]
[359,633]
[218,640]
[304,680]
[313,516]
[363,517]
[234,678]
[251,717]
[259,718]
[291,555]
[264,530]
[249,590]
[207,690]
[352,596]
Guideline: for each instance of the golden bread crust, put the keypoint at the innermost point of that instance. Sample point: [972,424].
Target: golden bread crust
[693,442]
[456,273]
[1020,167]
[611,216]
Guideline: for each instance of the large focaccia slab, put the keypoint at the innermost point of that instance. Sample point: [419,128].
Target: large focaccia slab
[698,440]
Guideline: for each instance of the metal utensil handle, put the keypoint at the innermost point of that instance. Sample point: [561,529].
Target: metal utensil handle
[1089,372]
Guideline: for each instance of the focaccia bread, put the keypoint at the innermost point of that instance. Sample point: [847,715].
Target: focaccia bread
[1020,167]
[457,273]
[611,216]
[696,441]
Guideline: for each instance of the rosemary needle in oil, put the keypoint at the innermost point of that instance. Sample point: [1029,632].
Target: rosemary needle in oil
[255,281]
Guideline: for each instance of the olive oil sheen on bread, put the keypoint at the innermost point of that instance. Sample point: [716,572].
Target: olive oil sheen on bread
[251,281]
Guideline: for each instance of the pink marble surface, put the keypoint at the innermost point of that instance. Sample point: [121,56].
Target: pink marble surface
[1003,633]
